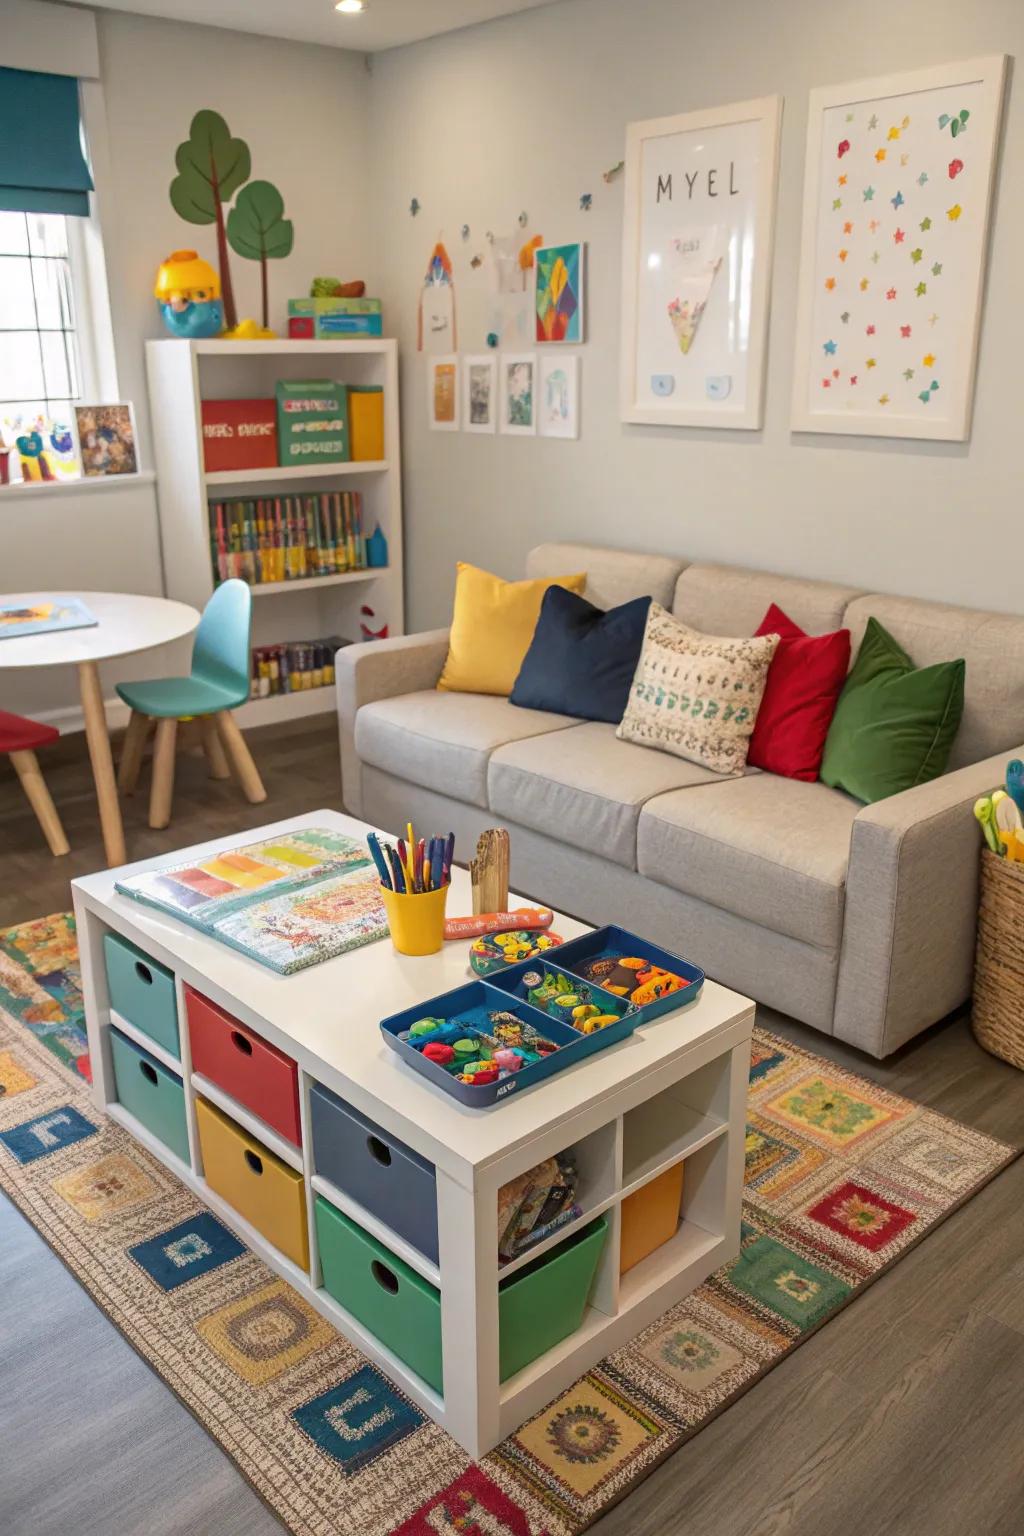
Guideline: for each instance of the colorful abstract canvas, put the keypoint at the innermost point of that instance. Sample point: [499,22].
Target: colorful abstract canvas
[558,292]
[899,181]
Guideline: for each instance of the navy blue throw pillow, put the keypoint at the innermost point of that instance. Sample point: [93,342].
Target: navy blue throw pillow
[581,659]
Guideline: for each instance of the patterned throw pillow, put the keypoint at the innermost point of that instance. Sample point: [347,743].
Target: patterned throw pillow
[696,695]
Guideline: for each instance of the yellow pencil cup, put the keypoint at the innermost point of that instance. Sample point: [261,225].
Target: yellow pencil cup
[416,921]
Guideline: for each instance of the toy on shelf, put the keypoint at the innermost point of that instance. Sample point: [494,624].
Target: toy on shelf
[492,952]
[331,288]
[259,231]
[489,871]
[188,292]
[536,1204]
[364,629]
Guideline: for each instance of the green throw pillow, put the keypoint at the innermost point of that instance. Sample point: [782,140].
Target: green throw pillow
[894,724]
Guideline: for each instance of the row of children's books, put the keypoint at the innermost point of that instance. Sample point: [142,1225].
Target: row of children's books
[287,538]
[294,665]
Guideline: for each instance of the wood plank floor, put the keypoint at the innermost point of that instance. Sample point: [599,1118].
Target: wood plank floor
[902,1417]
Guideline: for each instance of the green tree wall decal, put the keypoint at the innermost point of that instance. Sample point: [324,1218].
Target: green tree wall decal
[258,229]
[211,167]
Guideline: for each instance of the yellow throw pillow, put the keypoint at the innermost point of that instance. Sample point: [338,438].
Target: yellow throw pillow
[492,626]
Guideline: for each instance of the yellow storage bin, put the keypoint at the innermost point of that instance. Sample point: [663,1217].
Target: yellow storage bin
[650,1216]
[366,421]
[255,1182]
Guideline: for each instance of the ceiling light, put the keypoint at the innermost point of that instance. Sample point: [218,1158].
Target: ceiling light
[350,7]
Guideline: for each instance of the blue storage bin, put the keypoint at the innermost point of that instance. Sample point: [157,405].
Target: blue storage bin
[142,991]
[386,1177]
[151,1092]
[469,1006]
[602,942]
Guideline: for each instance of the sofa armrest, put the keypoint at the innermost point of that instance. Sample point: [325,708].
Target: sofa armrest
[380,669]
[912,908]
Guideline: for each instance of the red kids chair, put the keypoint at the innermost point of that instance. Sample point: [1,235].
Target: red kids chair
[19,738]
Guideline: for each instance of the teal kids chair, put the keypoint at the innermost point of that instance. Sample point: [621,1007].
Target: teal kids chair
[219,683]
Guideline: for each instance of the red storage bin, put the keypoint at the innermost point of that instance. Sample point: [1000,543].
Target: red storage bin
[253,1072]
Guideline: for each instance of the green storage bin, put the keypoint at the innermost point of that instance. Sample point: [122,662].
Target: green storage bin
[150,1092]
[537,1307]
[312,422]
[142,991]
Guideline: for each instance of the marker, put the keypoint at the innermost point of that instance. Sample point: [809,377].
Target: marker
[378,859]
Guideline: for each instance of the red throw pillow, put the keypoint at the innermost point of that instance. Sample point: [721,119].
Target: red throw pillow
[804,682]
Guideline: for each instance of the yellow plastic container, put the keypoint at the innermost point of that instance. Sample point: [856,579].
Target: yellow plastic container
[650,1216]
[257,1184]
[366,421]
[416,922]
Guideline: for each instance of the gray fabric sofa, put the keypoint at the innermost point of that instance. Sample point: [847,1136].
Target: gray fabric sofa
[859,920]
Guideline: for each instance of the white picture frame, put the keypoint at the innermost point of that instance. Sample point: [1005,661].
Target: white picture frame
[698,229]
[558,393]
[517,398]
[443,392]
[890,299]
[480,392]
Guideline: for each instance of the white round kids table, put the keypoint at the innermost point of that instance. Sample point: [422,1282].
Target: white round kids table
[125,624]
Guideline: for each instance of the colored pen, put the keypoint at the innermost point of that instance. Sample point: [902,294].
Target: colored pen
[397,871]
[419,866]
[437,861]
[378,859]
[449,854]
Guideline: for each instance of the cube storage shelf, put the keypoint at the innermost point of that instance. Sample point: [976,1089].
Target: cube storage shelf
[276,1197]
[181,374]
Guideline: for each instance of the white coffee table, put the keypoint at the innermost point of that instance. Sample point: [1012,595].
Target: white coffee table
[674,1090]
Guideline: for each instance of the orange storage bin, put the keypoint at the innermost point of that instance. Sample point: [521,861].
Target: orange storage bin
[650,1216]
[366,421]
[237,1060]
[254,1182]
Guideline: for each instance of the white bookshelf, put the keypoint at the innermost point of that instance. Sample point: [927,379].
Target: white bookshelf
[181,375]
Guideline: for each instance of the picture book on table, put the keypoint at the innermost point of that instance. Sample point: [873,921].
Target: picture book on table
[18,619]
[287,901]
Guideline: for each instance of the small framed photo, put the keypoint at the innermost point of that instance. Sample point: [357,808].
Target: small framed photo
[558,293]
[558,394]
[106,440]
[518,375]
[480,392]
[443,392]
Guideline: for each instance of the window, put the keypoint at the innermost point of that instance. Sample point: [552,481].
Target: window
[40,352]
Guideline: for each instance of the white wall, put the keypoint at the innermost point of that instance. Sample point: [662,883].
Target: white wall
[525,114]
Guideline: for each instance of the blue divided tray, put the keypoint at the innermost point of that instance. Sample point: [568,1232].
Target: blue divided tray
[619,941]
[512,980]
[470,1006]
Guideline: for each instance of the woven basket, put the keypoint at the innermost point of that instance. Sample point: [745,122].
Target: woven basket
[998,1015]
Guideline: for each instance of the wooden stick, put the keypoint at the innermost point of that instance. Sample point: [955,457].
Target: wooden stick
[489,871]
[26,767]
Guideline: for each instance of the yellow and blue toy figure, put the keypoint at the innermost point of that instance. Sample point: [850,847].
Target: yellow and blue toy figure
[188,293]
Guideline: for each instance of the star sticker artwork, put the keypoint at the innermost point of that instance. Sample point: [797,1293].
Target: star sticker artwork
[869,193]
[899,236]
[908,374]
[869,330]
[883,399]
[928,360]
[880,155]
[891,293]
[894,133]
[864,285]
[921,290]
[830,283]
[925,225]
[845,317]
[843,255]
[870,363]
[848,227]
[873,121]
[916,255]
[952,214]
[853,378]
[829,348]
[936,269]
[922,179]
[905,332]
[897,201]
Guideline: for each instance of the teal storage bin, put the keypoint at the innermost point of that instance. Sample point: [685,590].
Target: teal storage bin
[151,1092]
[538,1306]
[142,991]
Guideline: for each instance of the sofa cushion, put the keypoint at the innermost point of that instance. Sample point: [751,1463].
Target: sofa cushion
[585,787]
[442,741]
[492,625]
[992,645]
[582,658]
[729,600]
[613,575]
[769,849]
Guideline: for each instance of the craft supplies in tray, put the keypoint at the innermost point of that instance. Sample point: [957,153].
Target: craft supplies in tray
[555,991]
[480,1045]
[496,951]
[654,980]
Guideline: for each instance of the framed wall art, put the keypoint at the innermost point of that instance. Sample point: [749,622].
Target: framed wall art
[518,380]
[897,196]
[558,393]
[443,393]
[480,392]
[558,293]
[696,265]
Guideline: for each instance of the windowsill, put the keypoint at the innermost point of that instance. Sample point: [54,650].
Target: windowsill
[45,488]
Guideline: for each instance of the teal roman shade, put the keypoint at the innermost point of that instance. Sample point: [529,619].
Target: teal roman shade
[42,167]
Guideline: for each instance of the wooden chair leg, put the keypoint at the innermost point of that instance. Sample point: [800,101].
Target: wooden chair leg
[240,758]
[132,749]
[38,796]
[213,747]
[161,794]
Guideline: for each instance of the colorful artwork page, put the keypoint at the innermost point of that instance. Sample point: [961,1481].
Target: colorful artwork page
[302,927]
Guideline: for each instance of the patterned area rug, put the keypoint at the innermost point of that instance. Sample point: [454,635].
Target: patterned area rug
[842,1179]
